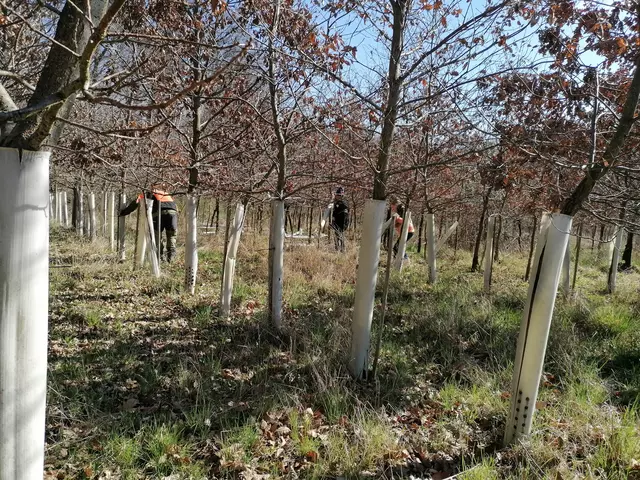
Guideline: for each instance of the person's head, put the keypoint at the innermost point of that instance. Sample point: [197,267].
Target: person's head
[339,192]
[400,210]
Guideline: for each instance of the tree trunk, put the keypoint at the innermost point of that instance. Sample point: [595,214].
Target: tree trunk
[600,240]
[216,212]
[566,269]
[628,251]
[420,231]
[519,235]
[577,260]
[369,253]
[476,249]
[531,245]
[535,324]
[488,258]
[496,243]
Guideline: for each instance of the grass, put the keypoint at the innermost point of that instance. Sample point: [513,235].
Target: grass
[147,382]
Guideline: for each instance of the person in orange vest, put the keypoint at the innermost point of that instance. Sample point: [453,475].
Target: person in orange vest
[168,218]
[399,221]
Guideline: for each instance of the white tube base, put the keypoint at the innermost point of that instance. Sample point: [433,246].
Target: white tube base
[151,240]
[141,236]
[446,236]
[276,261]
[536,321]
[112,221]
[65,210]
[488,254]
[24,282]
[93,226]
[367,277]
[615,258]
[191,245]
[402,244]
[432,248]
[230,261]
[121,230]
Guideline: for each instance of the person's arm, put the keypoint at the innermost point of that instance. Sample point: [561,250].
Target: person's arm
[129,208]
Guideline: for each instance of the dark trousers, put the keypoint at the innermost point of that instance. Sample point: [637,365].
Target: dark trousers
[338,238]
[395,247]
[168,224]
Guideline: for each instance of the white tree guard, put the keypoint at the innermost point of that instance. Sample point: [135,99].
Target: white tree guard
[87,220]
[65,210]
[367,277]
[24,282]
[105,213]
[93,226]
[159,232]
[112,221]
[80,230]
[615,258]
[566,270]
[58,204]
[121,229]
[431,247]
[402,244]
[141,237]
[191,245]
[151,240]
[446,236]
[488,254]
[230,261]
[51,210]
[536,321]
[276,261]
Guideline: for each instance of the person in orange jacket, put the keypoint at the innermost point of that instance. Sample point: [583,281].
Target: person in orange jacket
[168,217]
[398,224]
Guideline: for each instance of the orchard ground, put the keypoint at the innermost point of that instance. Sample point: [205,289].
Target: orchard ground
[146,381]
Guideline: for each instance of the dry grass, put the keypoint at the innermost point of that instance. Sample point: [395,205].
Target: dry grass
[146,382]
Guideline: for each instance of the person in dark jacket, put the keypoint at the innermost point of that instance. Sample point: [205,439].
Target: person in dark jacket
[168,218]
[339,218]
